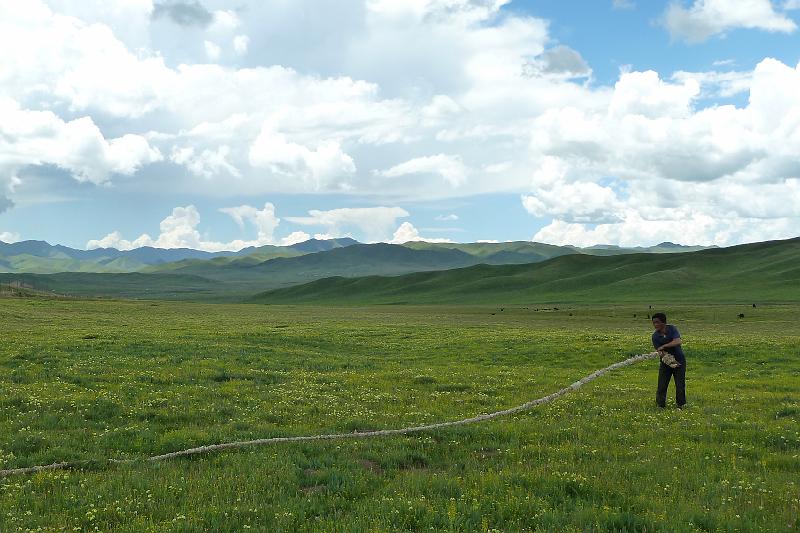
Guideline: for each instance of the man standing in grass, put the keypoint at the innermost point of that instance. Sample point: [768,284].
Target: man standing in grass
[667,339]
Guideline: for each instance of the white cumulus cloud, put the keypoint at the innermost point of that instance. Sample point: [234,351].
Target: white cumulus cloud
[180,230]
[32,138]
[208,163]
[449,167]
[263,219]
[396,100]
[318,166]
[213,50]
[686,227]
[240,44]
[9,237]
[706,18]
[294,238]
[376,223]
[585,202]
[406,232]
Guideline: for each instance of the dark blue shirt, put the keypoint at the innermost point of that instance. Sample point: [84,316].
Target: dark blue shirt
[670,334]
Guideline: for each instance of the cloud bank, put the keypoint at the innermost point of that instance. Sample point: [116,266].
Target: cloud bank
[433,99]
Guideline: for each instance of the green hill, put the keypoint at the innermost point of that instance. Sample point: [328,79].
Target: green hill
[39,257]
[249,274]
[219,267]
[231,278]
[126,285]
[502,253]
[761,271]
[54,264]
[17,291]
[237,277]
[363,259]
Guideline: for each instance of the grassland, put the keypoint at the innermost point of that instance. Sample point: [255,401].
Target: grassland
[96,379]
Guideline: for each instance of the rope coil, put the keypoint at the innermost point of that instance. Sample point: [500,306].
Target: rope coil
[355,435]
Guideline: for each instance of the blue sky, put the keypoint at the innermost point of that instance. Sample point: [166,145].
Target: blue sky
[198,124]
[610,38]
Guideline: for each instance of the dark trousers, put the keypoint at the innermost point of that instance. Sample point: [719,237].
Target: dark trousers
[665,372]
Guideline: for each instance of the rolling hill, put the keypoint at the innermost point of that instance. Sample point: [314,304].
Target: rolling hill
[17,291]
[119,285]
[290,267]
[40,257]
[758,272]
[357,260]
[238,277]
[225,278]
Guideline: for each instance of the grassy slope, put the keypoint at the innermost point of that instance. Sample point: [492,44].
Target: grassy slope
[576,277]
[663,248]
[762,271]
[235,267]
[123,285]
[226,279]
[219,267]
[126,379]
[359,259]
[41,258]
[8,291]
[51,265]
[502,252]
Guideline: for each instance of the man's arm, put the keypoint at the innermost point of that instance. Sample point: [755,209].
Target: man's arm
[677,341]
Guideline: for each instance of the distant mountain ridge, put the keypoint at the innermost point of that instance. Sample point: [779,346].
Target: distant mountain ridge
[41,257]
[752,272]
[347,264]
[663,247]
[349,261]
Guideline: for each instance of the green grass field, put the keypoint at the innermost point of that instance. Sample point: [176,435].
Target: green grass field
[97,379]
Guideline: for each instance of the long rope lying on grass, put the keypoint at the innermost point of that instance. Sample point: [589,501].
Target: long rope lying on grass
[355,435]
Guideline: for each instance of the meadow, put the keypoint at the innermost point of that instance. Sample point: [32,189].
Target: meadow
[93,379]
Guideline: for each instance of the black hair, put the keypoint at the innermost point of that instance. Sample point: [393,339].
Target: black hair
[661,316]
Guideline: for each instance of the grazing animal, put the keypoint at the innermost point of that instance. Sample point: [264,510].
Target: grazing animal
[754,306]
[741,315]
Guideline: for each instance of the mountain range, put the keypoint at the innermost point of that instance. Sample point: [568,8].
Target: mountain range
[751,273]
[40,257]
[237,276]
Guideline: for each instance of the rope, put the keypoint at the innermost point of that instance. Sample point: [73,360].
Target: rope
[355,435]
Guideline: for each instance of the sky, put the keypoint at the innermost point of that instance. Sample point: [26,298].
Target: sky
[219,125]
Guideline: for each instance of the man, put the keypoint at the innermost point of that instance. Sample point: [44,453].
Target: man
[667,339]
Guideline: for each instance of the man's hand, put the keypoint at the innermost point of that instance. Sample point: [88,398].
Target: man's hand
[669,360]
